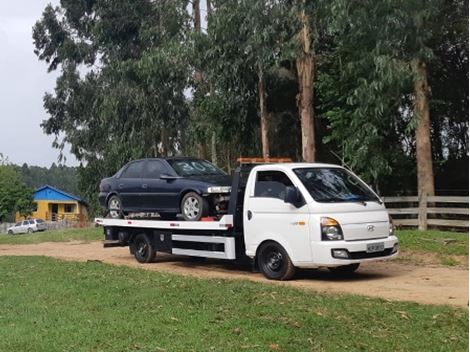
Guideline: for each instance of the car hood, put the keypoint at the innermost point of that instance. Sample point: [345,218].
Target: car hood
[215,180]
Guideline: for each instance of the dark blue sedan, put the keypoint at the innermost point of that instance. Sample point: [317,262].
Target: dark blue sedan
[168,186]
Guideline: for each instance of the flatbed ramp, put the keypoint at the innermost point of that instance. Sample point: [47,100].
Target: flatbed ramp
[211,239]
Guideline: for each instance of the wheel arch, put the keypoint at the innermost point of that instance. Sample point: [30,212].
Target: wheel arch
[281,243]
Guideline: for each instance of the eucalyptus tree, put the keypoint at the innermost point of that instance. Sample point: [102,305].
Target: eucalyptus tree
[385,48]
[248,35]
[120,94]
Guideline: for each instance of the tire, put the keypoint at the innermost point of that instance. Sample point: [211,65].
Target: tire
[115,207]
[194,207]
[274,262]
[10,232]
[345,269]
[30,231]
[143,249]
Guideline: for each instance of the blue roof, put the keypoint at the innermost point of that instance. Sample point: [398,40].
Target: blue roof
[50,193]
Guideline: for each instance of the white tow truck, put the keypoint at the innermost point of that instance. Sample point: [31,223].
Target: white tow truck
[281,216]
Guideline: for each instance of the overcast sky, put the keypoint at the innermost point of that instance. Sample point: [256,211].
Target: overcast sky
[23,82]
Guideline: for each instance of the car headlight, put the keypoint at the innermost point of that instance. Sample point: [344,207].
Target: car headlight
[219,189]
[330,230]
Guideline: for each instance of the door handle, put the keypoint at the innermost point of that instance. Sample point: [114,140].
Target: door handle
[121,185]
[249,214]
[144,186]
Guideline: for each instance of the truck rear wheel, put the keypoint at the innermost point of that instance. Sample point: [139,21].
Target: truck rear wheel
[143,249]
[274,262]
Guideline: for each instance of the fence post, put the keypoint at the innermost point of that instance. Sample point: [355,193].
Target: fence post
[422,212]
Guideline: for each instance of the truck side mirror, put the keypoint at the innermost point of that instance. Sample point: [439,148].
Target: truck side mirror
[293,196]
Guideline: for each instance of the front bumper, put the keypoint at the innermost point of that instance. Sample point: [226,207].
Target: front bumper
[322,252]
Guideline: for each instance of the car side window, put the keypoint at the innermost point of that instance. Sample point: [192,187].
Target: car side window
[26,222]
[18,224]
[153,169]
[134,170]
[31,222]
[271,184]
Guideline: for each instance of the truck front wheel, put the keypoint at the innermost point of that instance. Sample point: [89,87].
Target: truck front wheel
[143,249]
[274,262]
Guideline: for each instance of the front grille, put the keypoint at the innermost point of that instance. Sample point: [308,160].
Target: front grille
[365,255]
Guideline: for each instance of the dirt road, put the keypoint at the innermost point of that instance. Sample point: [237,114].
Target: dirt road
[388,280]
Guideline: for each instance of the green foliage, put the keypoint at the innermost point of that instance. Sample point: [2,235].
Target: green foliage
[94,306]
[62,177]
[129,84]
[15,196]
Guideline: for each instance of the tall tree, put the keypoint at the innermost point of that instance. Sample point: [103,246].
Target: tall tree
[305,63]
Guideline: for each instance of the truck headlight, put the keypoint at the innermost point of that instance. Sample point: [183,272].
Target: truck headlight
[330,230]
[219,189]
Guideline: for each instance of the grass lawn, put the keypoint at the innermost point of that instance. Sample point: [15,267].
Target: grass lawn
[49,305]
[448,248]
[84,234]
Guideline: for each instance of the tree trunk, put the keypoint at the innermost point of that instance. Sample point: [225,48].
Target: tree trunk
[263,113]
[423,130]
[164,142]
[305,73]
[214,148]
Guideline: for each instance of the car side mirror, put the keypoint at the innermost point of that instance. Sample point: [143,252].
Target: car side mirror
[293,196]
[168,177]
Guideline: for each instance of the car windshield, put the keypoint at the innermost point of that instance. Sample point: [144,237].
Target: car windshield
[331,185]
[194,167]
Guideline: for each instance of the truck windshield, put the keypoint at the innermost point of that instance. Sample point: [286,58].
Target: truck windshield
[331,185]
[194,167]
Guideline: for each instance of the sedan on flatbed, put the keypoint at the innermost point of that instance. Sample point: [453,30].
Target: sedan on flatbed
[192,187]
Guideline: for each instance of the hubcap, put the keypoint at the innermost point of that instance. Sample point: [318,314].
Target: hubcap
[274,260]
[191,207]
[142,249]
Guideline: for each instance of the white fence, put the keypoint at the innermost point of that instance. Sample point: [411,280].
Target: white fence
[4,226]
[436,211]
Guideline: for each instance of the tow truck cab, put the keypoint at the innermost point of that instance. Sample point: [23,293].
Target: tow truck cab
[320,214]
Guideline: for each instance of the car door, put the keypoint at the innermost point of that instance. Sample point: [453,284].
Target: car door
[157,194]
[268,217]
[17,227]
[129,186]
[24,226]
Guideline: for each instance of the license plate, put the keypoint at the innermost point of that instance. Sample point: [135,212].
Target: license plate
[375,247]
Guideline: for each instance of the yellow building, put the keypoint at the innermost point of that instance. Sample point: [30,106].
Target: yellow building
[53,205]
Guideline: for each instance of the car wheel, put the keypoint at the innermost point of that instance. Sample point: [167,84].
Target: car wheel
[115,207]
[10,232]
[194,207]
[274,262]
[143,249]
[344,269]
[30,230]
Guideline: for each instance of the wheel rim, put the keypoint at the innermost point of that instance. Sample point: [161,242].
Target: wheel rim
[274,260]
[191,207]
[114,207]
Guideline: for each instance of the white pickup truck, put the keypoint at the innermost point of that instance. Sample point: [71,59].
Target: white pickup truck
[281,216]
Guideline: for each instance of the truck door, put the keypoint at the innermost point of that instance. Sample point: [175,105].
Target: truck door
[268,217]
